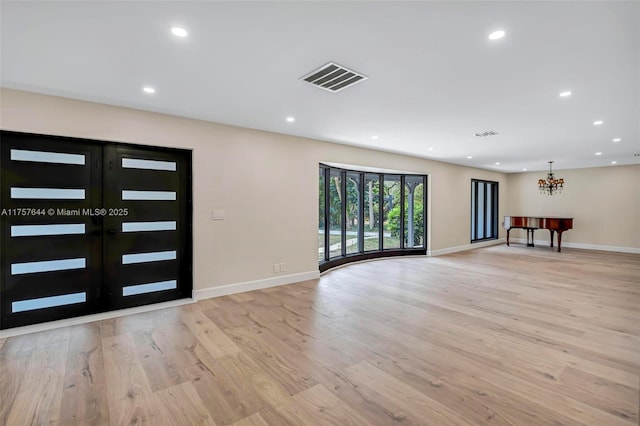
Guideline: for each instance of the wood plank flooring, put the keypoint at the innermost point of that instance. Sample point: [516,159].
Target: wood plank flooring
[494,336]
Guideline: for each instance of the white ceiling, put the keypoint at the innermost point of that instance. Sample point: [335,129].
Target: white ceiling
[435,78]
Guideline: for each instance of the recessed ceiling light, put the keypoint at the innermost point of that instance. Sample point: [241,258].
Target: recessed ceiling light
[524,170]
[430,149]
[496,35]
[374,137]
[148,89]
[598,123]
[565,94]
[469,157]
[290,119]
[598,153]
[180,32]
[616,140]
[497,163]
[614,162]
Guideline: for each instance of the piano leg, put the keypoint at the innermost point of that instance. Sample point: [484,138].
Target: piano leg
[530,232]
[551,231]
[559,240]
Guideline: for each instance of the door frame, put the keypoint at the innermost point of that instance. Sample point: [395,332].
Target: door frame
[102,303]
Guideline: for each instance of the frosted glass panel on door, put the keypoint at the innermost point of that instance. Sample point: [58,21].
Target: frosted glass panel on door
[48,302]
[155,256]
[135,163]
[149,195]
[148,226]
[47,157]
[48,266]
[47,193]
[149,288]
[43,230]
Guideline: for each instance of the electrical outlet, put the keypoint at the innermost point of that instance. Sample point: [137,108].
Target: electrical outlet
[276,268]
[282,267]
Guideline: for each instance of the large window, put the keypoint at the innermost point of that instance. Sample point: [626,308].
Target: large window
[335,209]
[321,216]
[372,212]
[391,208]
[353,209]
[484,210]
[365,215]
[414,211]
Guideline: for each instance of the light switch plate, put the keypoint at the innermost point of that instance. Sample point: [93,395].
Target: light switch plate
[218,215]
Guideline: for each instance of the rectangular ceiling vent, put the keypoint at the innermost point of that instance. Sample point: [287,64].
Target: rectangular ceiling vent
[333,77]
[485,134]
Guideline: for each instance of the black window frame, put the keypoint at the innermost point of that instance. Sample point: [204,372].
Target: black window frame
[327,262]
[495,194]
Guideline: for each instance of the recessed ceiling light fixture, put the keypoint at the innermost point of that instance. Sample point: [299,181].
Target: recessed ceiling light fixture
[524,170]
[469,157]
[148,89]
[374,137]
[497,163]
[430,149]
[496,35]
[616,140]
[598,123]
[290,119]
[614,162]
[598,153]
[565,94]
[179,32]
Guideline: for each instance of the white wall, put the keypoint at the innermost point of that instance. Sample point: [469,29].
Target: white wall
[275,218]
[604,202]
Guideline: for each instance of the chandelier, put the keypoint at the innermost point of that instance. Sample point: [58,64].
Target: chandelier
[550,185]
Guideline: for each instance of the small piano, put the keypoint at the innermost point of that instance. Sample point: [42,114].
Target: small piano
[553,224]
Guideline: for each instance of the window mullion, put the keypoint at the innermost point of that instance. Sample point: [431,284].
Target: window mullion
[327,209]
[361,214]
[343,227]
[402,200]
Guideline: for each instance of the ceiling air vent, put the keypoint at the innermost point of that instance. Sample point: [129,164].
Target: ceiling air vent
[333,77]
[485,134]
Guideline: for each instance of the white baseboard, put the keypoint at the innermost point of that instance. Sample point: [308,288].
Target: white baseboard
[224,290]
[85,319]
[465,247]
[545,243]
[375,259]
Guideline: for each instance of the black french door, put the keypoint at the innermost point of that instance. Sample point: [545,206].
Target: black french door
[146,234]
[51,263]
[88,227]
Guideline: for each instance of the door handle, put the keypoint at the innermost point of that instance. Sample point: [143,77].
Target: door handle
[112,231]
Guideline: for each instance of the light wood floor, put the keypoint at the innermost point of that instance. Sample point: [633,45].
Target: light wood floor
[495,336]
